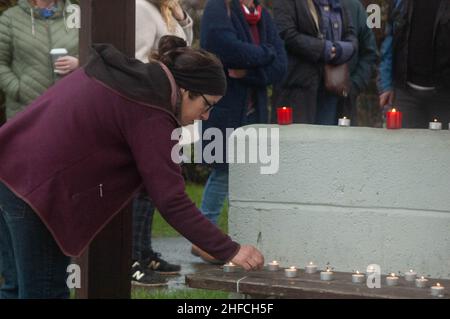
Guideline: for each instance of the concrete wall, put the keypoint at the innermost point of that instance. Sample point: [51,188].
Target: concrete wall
[349,197]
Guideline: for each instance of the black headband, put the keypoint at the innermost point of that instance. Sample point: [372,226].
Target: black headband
[209,80]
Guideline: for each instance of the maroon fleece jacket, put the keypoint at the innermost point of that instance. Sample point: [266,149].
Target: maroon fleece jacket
[79,153]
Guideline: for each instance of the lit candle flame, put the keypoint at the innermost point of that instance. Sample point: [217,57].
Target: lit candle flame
[394,110]
[392,275]
[435,120]
[274,262]
[410,270]
[284,107]
[311,263]
[357,272]
[438,284]
[230,264]
[292,267]
[422,277]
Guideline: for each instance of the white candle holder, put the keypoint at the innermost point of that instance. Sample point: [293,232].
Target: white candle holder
[229,267]
[311,268]
[410,275]
[421,282]
[290,272]
[392,280]
[438,290]
[327,275]
[273,266]
[344,122]
[435,125]
[358,278]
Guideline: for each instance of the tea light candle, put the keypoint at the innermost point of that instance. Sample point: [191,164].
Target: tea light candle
[273,266]
[326,275]
[437,290]
[394,119]
[344,122]
[435,125]
[311,268]
[392,280]
[421,282]
[290,272]
[410,275]
[229,267]
[358,278]
[284,115]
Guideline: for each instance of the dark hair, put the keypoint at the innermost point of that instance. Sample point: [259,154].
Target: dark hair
[193,69]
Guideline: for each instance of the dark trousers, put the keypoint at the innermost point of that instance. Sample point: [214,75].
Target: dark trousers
[143,211]
[310,105]
[31,263]
[419,108]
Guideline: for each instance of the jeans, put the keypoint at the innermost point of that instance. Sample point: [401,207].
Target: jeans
[214,195]
[31,263]
[143,211]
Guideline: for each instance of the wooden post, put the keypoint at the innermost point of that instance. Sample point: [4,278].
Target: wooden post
[106,265]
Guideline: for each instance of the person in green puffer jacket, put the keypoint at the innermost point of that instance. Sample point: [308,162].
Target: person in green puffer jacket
[28,32]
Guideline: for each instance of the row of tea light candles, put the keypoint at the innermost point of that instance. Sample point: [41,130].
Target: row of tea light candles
[393,119]
[328,275]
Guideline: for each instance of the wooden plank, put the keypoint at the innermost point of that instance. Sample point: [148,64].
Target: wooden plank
[106,265]
[306,286]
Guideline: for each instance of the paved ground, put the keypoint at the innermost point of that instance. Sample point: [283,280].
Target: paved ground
[178,250]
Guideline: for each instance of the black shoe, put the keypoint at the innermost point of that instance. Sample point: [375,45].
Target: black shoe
[145,277]
[156,263]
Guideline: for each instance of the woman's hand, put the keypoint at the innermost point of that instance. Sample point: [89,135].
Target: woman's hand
[66,64]
[249,258]
[237,74]
[386,98]
[177,11]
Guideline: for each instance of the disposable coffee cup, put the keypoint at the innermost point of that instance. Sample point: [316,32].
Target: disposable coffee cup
[56,54]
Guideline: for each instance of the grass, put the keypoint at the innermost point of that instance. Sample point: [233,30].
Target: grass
[140,293]
[195,192]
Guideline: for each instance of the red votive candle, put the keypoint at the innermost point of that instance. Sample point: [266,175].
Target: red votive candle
[393,119]
[284,115]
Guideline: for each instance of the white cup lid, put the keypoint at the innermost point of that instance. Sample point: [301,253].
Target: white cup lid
[59,51]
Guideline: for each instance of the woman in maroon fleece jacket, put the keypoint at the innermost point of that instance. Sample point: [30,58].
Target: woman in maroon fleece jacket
[78,154]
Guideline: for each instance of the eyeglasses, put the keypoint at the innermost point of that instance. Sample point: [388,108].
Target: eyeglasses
[209,105]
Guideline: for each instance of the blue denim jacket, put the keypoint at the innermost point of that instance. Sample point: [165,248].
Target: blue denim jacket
[386,51]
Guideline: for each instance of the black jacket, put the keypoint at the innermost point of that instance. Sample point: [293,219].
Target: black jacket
[305,49]
[400,19]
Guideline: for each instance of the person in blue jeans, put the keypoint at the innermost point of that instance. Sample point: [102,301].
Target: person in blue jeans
[243,35]
[34,248]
